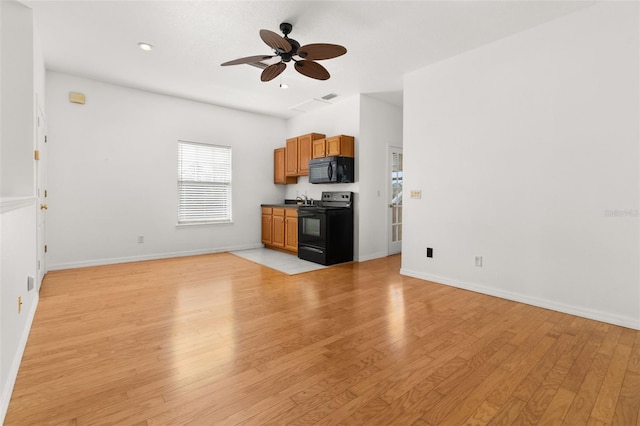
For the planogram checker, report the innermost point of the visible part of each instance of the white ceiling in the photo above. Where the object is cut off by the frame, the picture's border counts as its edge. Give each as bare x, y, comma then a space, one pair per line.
384, 39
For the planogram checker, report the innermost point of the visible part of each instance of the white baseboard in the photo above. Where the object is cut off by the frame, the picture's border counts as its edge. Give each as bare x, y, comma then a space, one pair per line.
607, 317
15, 364
371, 256
156, 256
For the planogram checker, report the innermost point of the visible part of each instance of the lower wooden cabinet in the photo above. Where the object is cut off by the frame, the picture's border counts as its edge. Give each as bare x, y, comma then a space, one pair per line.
291, 229
267, 220
277, 231
280, 228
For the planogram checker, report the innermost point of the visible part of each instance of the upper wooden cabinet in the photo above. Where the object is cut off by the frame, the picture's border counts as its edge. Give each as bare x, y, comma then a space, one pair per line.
291, 157
319, 150
305, 144
279, 176
298, 153
341, 145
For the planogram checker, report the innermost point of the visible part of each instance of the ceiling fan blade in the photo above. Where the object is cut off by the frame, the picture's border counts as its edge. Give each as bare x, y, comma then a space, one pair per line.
319, 51
312, 69
275, 41
247, 60
272, 71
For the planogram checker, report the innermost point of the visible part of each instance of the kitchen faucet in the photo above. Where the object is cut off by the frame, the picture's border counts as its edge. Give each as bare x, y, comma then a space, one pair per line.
306, 201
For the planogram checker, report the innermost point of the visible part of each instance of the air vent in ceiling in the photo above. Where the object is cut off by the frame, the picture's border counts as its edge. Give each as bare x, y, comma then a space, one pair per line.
329, 96
310, 105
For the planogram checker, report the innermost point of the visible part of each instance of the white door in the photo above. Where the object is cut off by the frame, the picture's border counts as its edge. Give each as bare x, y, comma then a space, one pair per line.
41, 179
395, 199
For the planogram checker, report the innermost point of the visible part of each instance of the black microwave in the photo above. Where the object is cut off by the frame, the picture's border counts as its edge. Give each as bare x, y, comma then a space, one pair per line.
331, 170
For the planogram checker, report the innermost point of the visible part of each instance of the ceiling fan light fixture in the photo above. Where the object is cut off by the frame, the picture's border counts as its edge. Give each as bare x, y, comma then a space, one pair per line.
288, 50
145, 46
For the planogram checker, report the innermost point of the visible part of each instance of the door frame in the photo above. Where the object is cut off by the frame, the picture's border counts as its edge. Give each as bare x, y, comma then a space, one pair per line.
392, 248
41, 193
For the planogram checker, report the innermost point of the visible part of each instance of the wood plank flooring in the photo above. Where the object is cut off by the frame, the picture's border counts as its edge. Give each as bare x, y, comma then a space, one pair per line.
219, 340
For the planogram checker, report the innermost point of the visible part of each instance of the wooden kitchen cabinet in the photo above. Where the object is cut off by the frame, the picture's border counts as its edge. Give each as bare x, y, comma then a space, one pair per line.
291, 229
298, 153
267, 217
279, 175
341, 145
280, 228
318, 150
277, 230
291, 157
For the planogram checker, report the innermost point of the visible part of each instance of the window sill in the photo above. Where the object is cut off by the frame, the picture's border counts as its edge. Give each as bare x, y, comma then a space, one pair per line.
191, 225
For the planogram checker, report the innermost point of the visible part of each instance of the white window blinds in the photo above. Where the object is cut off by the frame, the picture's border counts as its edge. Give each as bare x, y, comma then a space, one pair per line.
204, 183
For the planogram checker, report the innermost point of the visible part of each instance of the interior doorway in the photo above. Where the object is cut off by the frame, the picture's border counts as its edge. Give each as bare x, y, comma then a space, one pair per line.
395, 176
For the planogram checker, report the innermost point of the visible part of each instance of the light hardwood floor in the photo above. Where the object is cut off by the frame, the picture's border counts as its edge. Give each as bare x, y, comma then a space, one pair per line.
217, 339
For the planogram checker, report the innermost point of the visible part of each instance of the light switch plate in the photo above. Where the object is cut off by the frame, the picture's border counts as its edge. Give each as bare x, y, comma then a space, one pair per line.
415, 193
77, 98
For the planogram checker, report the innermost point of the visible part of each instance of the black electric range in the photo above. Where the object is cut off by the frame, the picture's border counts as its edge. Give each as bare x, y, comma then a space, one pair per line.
325, 229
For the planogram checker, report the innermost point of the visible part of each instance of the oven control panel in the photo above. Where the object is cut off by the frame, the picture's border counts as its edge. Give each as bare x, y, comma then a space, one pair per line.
337, 196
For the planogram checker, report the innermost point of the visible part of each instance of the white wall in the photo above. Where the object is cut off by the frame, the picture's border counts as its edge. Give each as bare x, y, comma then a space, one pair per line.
375, 125
16, 171
21, 67
112, 173
18, 241
522, 149
380, 127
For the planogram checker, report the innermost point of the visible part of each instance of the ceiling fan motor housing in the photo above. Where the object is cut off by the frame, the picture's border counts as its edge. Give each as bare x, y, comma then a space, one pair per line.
286, 56
286, 28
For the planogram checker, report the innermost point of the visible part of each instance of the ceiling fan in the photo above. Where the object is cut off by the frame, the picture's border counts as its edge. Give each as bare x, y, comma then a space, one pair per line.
289, 50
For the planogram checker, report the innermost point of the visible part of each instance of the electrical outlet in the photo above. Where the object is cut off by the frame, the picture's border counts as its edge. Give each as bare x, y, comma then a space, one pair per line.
429, 252
140, 239
478, 260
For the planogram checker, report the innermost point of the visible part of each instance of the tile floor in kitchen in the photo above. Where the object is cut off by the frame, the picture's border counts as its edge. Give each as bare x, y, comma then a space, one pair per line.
283, 262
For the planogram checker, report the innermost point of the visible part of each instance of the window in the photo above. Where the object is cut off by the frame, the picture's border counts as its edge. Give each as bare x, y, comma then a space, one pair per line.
204, 183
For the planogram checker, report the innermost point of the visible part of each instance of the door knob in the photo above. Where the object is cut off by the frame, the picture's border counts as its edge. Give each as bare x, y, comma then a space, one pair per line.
392, 205
43, 207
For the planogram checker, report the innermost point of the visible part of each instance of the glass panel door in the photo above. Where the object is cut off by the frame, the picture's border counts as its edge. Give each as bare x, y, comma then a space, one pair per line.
395, 199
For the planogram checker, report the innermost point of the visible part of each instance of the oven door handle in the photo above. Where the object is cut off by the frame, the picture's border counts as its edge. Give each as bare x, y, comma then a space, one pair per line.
306, 214
315, 250
330, 171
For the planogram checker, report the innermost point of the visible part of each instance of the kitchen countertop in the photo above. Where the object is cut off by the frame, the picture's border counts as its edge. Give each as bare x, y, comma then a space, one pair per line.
286, 206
